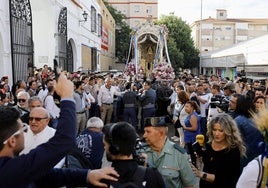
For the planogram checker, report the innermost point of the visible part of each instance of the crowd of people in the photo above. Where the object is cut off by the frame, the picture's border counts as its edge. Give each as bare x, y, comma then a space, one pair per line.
106, 113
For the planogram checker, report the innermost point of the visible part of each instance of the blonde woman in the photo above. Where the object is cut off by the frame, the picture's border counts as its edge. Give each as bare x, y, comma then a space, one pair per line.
221, 158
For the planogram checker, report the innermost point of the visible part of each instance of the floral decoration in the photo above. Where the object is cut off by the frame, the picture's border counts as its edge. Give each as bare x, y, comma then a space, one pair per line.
130, 71
163, 71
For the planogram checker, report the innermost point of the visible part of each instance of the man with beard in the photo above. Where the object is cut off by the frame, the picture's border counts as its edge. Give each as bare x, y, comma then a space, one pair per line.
119, 143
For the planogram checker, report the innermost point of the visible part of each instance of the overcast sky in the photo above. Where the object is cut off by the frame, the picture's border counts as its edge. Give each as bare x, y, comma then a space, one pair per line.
189, 10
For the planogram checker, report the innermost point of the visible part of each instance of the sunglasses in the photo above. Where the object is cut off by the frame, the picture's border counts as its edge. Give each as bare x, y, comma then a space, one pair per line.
37, 118
24, 128
21, 100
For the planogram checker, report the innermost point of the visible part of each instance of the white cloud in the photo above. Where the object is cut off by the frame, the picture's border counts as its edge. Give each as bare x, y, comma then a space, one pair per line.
189, 10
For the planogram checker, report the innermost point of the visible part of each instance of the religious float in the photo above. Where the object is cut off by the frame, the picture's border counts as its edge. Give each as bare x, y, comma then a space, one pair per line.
148, 54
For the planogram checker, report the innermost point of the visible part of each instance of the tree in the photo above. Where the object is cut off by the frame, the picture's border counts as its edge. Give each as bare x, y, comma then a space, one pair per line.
181, 48
122, 34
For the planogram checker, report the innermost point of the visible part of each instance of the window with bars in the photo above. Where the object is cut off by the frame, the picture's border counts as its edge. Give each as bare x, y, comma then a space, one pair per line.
99, 25
93, 19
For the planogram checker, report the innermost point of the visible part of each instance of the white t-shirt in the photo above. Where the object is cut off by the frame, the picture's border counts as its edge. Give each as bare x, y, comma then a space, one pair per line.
204, 106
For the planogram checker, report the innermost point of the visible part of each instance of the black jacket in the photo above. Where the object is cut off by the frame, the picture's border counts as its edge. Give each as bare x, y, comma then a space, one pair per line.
127, 168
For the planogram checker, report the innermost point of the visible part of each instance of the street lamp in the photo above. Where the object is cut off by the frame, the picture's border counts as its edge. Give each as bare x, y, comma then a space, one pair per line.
85, 14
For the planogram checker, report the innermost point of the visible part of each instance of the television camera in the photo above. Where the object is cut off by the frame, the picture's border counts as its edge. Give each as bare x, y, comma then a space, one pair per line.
219, 101
139, 148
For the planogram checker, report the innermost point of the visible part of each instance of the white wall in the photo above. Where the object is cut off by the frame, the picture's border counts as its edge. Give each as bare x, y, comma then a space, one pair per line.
5, 51
45, 14
43, 32
45, 26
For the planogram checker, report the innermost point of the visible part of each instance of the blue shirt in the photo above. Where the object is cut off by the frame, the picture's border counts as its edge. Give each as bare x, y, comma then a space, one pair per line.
190, 136
91, 145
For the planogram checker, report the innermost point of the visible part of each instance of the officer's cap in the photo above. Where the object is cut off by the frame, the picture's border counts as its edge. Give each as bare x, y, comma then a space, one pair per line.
155, 122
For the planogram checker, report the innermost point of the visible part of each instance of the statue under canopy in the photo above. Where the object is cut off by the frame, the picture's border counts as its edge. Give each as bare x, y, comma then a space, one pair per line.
149, 53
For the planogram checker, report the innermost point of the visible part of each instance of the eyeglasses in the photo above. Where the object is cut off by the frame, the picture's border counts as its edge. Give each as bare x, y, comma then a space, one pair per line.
24, 128
37, 118
21, 100
35, 106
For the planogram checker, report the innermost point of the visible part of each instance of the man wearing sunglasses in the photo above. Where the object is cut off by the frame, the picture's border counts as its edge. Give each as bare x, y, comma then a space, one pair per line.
39, 131
22, 102
36, 167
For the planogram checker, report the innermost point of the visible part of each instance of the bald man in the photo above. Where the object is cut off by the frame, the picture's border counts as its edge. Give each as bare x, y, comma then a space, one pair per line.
39, 131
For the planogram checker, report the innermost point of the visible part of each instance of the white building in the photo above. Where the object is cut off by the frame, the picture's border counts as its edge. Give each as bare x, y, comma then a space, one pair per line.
250, 56
44, 30
136, 12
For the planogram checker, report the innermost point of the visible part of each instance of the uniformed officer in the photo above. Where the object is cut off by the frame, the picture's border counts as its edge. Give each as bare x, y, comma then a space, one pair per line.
147, 100
170, 159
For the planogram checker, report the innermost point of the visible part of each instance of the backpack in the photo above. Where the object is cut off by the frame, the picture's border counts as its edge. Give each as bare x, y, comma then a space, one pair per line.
137, 179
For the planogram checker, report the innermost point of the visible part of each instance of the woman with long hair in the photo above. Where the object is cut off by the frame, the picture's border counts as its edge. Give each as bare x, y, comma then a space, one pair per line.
180, 115
222, 154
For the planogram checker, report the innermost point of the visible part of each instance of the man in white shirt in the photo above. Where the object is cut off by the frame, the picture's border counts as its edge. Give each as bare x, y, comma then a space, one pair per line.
106, 99
203, 99
39, 132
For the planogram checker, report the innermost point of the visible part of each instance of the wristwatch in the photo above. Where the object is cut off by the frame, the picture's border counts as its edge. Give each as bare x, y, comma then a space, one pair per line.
204, 176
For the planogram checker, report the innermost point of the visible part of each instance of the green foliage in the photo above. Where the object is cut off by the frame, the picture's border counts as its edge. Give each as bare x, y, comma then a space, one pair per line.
181, 48
122, 34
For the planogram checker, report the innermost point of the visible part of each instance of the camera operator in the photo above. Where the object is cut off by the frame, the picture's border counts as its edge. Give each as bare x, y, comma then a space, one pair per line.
242, 86
119, 143
228, 90
217, 104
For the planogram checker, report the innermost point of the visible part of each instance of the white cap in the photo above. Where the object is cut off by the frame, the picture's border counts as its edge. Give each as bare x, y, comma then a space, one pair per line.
95, 122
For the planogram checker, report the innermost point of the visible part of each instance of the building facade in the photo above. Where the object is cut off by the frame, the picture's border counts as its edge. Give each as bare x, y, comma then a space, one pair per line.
136, 12
67, 33
219, 32
222, 32
107, 56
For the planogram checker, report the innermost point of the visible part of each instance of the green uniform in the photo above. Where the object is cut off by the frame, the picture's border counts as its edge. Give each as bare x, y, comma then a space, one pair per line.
173, 164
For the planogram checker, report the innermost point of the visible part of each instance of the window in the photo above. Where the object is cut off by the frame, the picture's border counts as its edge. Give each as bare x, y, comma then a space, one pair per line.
217, 28
149, 10
99, 25
136, 8
93, 19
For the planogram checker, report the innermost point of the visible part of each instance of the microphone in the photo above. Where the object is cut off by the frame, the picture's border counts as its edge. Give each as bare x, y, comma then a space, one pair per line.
200, 139
198, 144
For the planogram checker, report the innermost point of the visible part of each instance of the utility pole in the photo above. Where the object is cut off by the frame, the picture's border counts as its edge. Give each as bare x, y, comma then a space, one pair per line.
200, 36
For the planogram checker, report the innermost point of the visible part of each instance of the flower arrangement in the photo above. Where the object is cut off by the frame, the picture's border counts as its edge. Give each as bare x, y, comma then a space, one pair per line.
130, 71
163, 71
